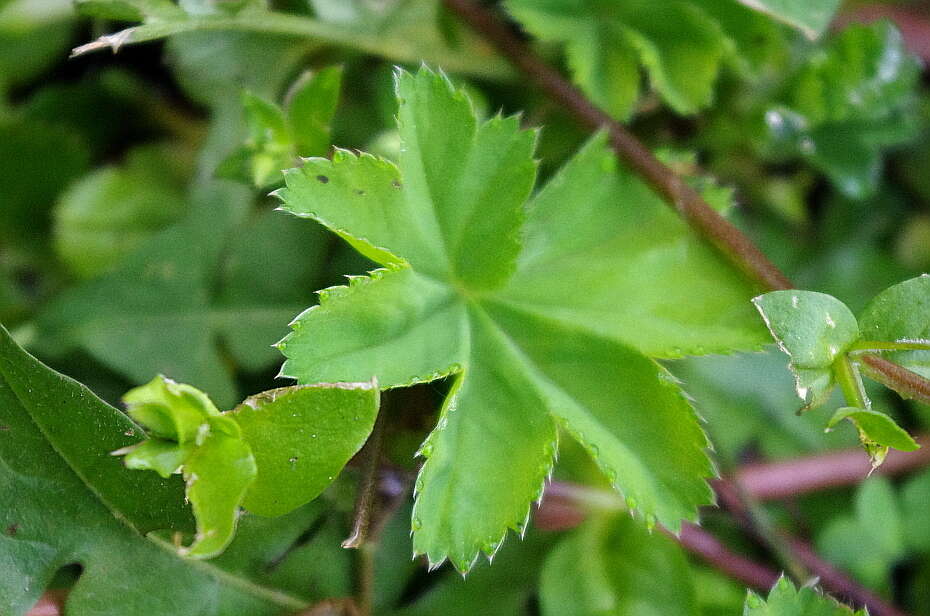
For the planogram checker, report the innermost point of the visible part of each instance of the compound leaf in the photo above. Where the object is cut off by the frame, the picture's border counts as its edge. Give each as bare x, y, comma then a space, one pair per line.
442, 307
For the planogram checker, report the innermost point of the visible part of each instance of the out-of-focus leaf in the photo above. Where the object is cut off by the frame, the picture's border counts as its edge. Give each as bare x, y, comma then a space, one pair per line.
869, 543
157, 313
33, 35
104, 216
614, 566
510, 581
679, 45
747, 401
852, 100
37, 161
915, 502
810, 17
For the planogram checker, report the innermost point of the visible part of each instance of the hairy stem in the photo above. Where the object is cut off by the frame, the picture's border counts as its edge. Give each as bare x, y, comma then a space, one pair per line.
907, 383
364, 509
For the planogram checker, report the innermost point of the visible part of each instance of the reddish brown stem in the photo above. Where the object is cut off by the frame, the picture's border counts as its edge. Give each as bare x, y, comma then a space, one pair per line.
907, 383
778, 480
705, 546
684, 199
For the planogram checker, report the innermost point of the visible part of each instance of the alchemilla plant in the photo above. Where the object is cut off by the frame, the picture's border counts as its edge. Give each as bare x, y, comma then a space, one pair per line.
577, 297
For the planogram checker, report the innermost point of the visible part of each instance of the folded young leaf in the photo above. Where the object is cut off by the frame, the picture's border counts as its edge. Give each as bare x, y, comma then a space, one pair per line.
813, 329
207, 447
218, 473
785, 600
516, 325
877, 432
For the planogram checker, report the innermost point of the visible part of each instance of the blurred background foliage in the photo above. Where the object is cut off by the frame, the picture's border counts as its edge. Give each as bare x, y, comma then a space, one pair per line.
137, 237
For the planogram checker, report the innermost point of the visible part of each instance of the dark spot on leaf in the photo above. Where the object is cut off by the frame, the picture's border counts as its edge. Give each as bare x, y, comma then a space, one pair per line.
359, 191
4, 428
12, 529
322, 179
395, 183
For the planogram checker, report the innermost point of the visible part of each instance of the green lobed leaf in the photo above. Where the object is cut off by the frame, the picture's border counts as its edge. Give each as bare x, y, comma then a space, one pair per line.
613, 566
460, 296
209, 449
301, 438
901, 314
786, 600
811, 18
680, 46
665, 293
813, 329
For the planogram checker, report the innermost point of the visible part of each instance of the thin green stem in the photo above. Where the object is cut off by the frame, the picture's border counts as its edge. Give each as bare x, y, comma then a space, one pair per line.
867, 346
850, 381
476, 59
